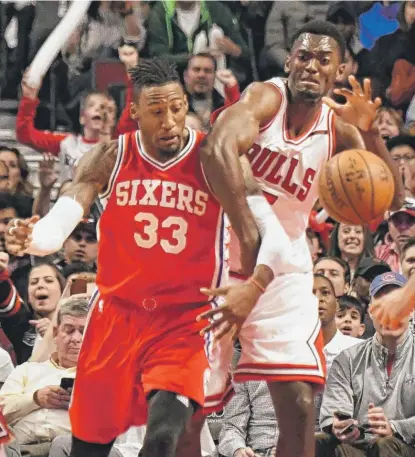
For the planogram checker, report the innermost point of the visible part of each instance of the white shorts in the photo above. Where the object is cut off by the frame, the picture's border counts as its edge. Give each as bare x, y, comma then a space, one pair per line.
281, 340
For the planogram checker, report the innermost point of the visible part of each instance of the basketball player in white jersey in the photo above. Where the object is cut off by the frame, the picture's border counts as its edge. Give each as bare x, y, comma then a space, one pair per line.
288, 130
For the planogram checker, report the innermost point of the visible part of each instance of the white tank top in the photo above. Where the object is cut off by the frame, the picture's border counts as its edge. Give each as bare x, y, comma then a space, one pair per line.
287, 171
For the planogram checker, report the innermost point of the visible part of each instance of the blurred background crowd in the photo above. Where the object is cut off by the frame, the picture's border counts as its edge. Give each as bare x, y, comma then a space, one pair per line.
220, 47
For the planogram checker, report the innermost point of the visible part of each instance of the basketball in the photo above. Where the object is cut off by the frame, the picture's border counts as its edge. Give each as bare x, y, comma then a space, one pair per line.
356, 187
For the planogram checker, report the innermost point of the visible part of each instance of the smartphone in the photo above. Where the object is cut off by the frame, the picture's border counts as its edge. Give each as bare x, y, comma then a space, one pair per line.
67, 383
342, 416
350, 428
79, 286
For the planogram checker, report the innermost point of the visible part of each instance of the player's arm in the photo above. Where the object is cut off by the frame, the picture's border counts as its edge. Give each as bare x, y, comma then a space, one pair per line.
232, 135
46, 236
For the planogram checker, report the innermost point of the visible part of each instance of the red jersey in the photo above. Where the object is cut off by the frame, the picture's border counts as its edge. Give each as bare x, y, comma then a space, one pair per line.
161, 235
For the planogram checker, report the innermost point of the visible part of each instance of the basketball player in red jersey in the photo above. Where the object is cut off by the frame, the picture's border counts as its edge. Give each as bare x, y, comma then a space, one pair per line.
288, 130
161, 239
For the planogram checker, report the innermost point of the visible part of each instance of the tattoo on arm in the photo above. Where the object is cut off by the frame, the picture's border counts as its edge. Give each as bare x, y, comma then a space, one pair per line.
93, 173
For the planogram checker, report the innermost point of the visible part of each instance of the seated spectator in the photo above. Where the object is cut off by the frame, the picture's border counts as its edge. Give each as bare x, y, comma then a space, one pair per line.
352, 243
408, 258
81, 246
349, 317
384, 407
32, 400
335, 269
389, 123
199, 79
351, 67
249, 425
402, 149
18, 171
334, 340
177, 29
401, 225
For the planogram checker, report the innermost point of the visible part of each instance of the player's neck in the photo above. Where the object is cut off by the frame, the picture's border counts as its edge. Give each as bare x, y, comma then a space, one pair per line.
301, 116
329, 330
156, 154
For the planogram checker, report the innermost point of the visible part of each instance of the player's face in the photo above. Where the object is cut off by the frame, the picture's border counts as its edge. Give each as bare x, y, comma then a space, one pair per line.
335, 272
44, 290
161, 112
351, 240
327, 302
408, 262
348, 322
313, 65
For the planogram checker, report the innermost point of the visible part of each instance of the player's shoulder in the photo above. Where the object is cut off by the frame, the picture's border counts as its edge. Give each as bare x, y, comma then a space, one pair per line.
267, 92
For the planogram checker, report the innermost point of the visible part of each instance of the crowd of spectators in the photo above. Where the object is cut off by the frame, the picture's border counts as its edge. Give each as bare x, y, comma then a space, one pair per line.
368, 405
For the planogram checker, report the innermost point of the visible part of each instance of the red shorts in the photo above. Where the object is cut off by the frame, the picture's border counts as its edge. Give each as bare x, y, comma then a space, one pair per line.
127, 353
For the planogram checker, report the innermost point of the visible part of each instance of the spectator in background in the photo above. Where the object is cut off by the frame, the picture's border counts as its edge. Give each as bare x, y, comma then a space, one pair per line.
249, 425
350, 316
315, 244
47, 177
283, 21
18, 171
177, 29
401, 225
4, 177
402, 149
335, 269
379, 63
81, 245
352, 243
32, 401
389, 122
408, 258
385, 406
199, 79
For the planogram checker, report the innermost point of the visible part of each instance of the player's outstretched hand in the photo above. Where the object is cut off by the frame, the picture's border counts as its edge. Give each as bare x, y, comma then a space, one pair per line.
392, 308
19, 235
360, 109
231, 315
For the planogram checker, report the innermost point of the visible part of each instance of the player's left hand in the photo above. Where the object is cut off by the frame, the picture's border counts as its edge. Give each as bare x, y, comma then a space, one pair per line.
392, 308
360, 109
230, 316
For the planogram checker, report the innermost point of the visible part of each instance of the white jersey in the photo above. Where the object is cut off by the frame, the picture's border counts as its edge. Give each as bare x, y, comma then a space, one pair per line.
73, 148
287, 169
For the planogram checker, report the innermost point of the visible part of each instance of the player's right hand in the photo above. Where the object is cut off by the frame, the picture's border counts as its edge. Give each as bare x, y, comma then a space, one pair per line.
19, 235
339, 426
392, 308
229, 317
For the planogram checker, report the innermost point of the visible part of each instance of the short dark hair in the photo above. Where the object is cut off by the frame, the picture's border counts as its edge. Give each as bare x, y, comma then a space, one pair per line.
323, 28
7, 201
318, 275
348, 302
408, 245
76, 267
341, 262
153, 72
205, 55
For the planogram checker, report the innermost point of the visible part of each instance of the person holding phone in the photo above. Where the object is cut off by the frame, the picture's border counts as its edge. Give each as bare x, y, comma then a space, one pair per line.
35, 397
368, 405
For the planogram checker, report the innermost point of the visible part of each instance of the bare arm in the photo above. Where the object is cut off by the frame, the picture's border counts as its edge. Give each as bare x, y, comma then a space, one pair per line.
93, 174
350, 137
46, 236
232, 135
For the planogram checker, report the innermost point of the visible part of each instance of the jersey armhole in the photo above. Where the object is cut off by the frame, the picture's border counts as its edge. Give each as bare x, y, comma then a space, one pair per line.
279, 91
116, 169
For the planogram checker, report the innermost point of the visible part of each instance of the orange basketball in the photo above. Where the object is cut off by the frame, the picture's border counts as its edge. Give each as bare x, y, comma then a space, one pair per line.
356, 187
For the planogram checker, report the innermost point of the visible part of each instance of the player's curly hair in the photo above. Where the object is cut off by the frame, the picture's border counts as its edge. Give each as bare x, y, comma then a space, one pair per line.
323, 28
153, 72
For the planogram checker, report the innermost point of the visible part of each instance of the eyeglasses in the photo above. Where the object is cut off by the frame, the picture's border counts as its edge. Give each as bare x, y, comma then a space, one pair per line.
406, 158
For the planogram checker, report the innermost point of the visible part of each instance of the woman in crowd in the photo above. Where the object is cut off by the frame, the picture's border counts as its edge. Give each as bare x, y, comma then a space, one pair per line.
352, 243
18, 171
